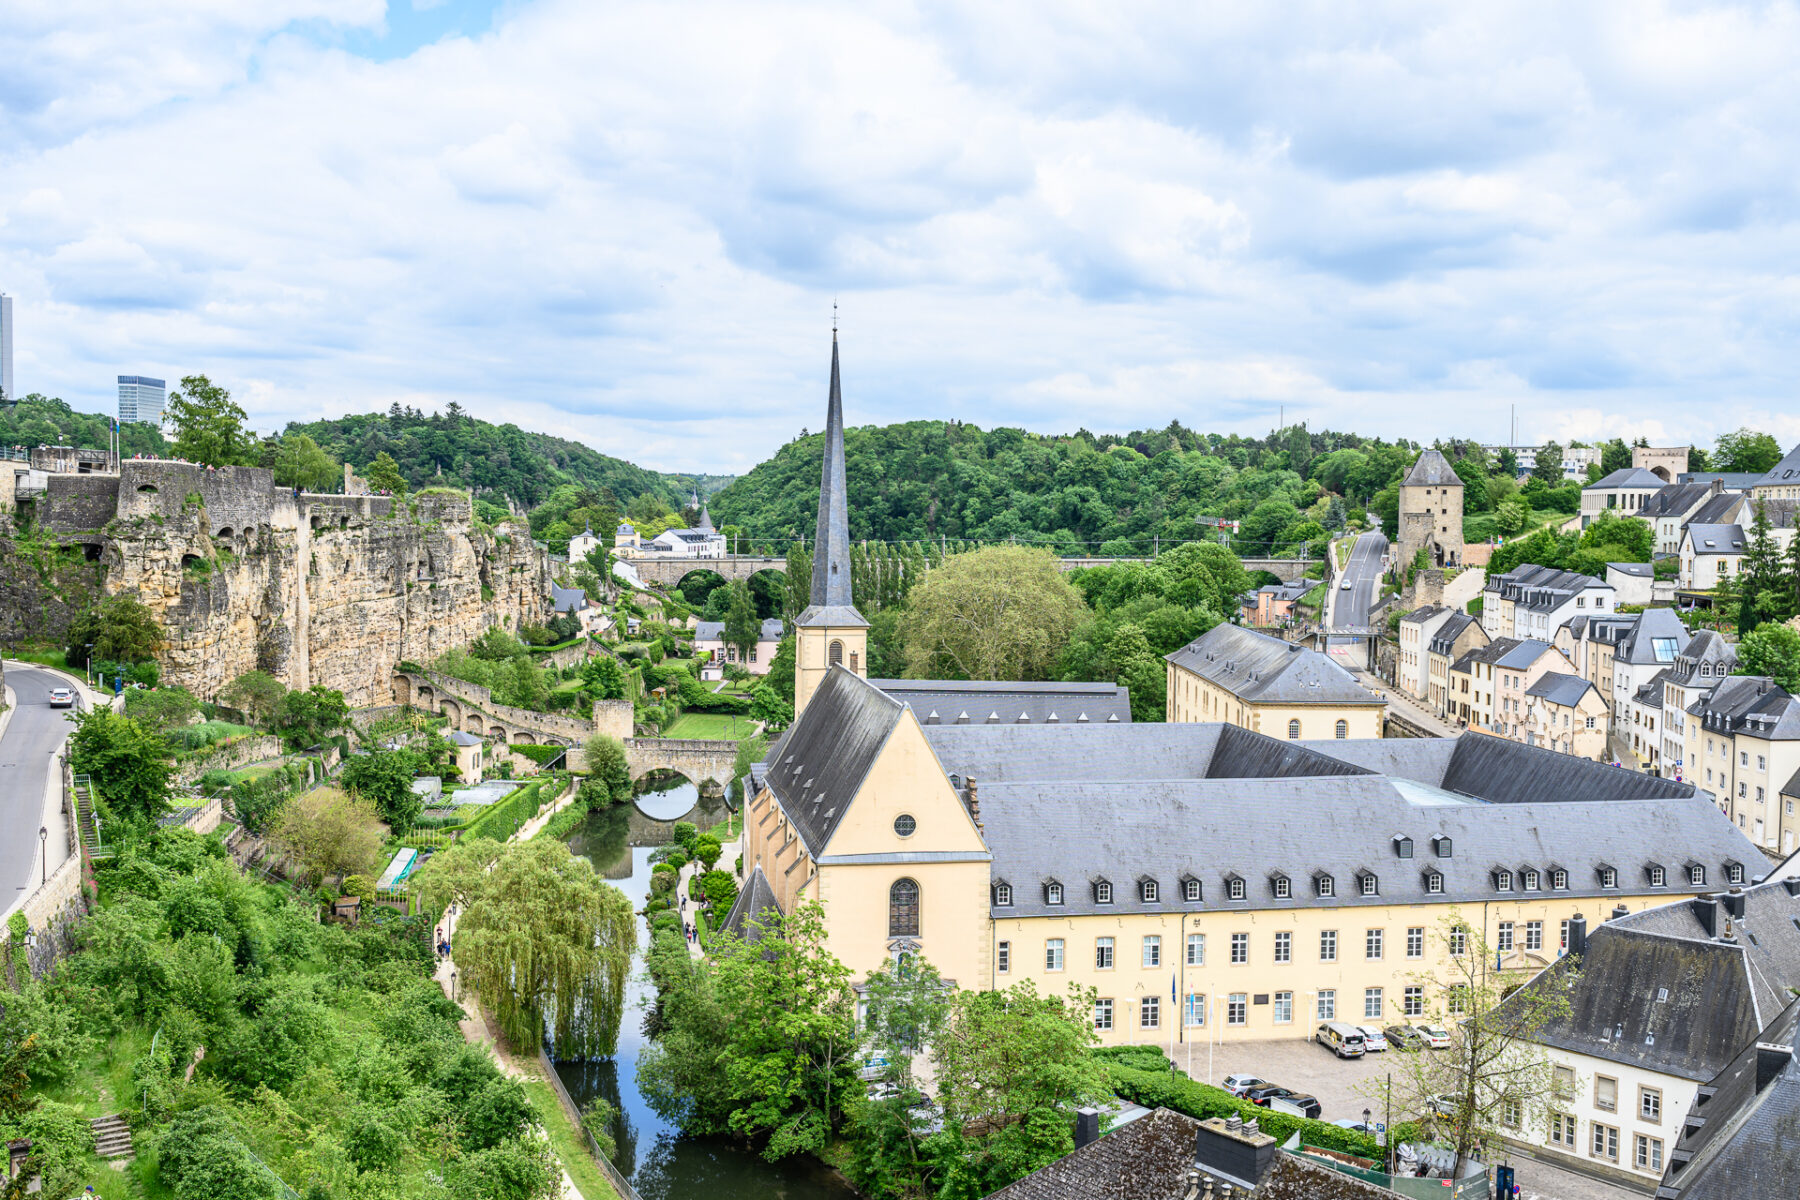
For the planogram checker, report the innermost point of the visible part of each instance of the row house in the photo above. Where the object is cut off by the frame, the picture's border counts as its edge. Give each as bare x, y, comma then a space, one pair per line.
1671, 508
1703, 664
1454, 638
1489, 684
1416, 630
1627, 492
1651, 643
1566, 713
1532, 601
1743, 748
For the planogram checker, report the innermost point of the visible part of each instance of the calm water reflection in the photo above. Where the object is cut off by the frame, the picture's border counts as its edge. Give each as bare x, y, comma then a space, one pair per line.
659, 1161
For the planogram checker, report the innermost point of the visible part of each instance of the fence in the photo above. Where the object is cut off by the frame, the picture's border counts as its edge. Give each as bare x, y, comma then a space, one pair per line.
620, 1184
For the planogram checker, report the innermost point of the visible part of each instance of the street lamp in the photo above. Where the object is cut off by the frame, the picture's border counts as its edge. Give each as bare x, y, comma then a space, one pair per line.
44, 851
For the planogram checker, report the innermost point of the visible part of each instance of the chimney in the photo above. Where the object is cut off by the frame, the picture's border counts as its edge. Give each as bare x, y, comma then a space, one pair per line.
1734, 902
973, 800
1087, 1127
1718, 485
1770, 1062
1578, 935
1235, 1148
1620, 911
1792, 884
1706, 911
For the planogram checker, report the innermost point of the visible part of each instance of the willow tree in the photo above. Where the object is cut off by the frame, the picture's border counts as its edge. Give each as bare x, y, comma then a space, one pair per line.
547, 943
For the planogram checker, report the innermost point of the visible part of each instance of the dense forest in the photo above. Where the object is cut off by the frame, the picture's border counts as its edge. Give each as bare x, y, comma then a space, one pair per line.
45, 421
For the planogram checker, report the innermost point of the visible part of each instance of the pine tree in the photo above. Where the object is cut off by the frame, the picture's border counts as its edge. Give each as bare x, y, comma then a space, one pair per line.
1761, 597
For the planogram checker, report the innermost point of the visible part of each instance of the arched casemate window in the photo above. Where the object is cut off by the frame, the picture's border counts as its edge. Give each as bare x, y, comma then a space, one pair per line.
903, 909
835, 654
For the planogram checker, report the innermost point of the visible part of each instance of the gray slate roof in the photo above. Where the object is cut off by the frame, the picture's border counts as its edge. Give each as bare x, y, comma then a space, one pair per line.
568, 599
755, 909
1753, 704
714, 631
1432, 469
1764, 931
459, 738
1716, 510
1785, 473
1716, 539
1675, 499
1558, 688
831, 541
1627, 477
1635, 569
1422, 614
1444, 640
1745, 1147
1649, 627
1256, 667
1736, 481
966, 702
1146, 1159
819, 764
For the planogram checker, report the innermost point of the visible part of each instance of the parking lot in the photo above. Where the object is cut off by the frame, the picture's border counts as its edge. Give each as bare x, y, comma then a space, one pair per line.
1347, 1086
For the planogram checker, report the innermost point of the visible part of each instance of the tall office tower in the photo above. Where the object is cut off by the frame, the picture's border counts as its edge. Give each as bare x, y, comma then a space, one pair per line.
141, 399
6, 339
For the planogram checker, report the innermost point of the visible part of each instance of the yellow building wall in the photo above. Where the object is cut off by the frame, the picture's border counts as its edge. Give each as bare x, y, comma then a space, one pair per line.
1193, 698
812, 657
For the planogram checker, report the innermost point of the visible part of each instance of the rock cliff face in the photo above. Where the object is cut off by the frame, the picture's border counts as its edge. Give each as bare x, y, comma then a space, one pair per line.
331, 590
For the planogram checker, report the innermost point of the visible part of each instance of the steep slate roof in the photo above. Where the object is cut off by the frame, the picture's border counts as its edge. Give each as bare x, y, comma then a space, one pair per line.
1504, 772
1558, 688
1716, 510
1422, 614
965, 702
1750, 1110
568, 599
1263, 669
1707, 646
1147, 1159
1523, 653
749, 914
1715, 539
1764, 930
831, 540
1738, 481
1706, 1010
1627, 477
1785, 473
1675, 498
1649, 626
819, 764
1432, 469
1652, 691
1445, 638
1635, 569
1753, 704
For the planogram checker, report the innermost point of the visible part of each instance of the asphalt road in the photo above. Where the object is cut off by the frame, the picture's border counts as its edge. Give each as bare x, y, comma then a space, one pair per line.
1363, 573
34, 734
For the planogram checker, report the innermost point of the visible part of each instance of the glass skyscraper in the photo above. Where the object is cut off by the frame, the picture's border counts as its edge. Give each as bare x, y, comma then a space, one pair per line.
141, 399
6, 340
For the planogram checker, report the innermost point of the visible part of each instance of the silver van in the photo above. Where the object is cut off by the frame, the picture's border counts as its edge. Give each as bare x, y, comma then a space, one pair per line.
1344, 1040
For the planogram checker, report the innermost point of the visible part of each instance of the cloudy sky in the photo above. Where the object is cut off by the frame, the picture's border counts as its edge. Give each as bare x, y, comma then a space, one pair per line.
626, 223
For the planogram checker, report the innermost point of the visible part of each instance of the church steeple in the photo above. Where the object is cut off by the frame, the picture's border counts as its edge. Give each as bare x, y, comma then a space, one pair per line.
830, 633
831, 544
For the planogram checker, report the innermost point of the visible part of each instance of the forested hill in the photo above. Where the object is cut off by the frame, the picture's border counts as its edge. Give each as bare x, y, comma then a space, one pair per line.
476, 454
929, 479
45, 421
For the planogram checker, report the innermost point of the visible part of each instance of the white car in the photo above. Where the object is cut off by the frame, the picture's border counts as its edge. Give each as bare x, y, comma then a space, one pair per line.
62, 697
1344, 586
1373, 1038
1435, 1036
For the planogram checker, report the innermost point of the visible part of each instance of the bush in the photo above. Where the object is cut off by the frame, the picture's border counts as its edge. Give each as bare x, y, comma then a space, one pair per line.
201, 1156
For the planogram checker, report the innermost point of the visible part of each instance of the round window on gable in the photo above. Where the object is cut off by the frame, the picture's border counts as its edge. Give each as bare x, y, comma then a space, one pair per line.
904, 825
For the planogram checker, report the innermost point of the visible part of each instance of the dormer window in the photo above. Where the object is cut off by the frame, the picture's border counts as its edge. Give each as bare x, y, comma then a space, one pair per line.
1696, 875
1503, 880
1371, 886
1440, 846
1234, 887
1559, 879
1190, 890
1402, 846
1053, 893
1658, 876
1102, 892
1281, 887
1734, 872
1325, 885
1531, 879
1147, 891
1002, 895
1434, 883
1609, 877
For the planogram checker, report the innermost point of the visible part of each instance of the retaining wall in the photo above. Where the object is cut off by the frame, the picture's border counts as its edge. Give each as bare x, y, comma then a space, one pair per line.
228, 757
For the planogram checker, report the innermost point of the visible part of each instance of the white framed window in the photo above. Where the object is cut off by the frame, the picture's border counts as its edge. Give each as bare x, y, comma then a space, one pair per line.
1434, 883
1415, 941
1103, 954
1150, 1012
1328, 945
1053, 954
1649, 1156
1697, 875
1372, 945
1103, 892
1153, 950
1190, 890
1234, 888
1283, 888
1649, 1104
1734, 873
1236, 1008
1284, 1008
1147, 891
1327, 885
1240, 949
1002, 895
1503, 881
1196, 949
1194, 1009
1103, 1014
1003, 957
1284, 946
1412, 1001
1559, 878
1531, 881
1609, 878
1534, 935
1605, 1142
1327, 1007
1053, 893
1563, 935
1372, 1003
1503, 939
1562, 1130
1370, 885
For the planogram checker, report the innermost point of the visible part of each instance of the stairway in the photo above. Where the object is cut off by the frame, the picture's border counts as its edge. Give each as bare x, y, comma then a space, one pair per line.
112, 1137
87, 823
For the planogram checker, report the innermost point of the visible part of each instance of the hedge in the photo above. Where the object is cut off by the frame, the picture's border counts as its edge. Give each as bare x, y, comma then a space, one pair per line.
539, 754
500, 821
1172, 1089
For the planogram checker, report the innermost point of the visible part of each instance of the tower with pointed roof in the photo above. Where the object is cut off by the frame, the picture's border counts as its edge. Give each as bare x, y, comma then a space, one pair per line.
1431, 512
830, 632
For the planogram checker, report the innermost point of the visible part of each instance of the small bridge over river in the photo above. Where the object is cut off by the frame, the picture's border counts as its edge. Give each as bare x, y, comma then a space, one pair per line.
667, 572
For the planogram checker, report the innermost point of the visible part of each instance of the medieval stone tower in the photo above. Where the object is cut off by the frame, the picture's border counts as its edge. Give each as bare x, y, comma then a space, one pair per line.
1431, 513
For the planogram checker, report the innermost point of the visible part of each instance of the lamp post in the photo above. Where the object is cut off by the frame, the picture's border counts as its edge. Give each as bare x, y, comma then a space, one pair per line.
44, 852
452, 983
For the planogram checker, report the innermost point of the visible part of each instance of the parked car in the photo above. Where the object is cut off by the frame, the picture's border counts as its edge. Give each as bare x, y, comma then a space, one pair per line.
1440, 1106
62, 697
1404, 1037
1373, 1040
1354, 1125
1435, 1036
1238, 1085
1297, 1104
872, 1068
1345, 1041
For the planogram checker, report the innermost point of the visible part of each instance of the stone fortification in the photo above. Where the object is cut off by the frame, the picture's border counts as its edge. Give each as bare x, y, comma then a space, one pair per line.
314, 589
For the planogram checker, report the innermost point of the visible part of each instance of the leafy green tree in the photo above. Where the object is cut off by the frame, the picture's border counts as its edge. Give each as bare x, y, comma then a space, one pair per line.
780, 678
329, 832
209, 426
742, 628
161, 709
1002, 612
799, 583
119, 629
1764, 595
1507, 463
130, 765
1624, 539
769, 708
297, 462
603, 678
1511, 516
385, 777
1772, 650
1614, 456
306, 717
523, 1169
201, 1155
256, 694
546, 943
383, 474
721, 891
1547, 467
1012, 1068
1746, 450
608, 766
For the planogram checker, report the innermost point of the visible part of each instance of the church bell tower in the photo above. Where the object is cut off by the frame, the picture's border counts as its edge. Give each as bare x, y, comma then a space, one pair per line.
830, 632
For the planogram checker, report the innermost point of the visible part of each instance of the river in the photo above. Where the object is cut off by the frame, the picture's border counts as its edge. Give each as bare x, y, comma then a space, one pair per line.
660, 1161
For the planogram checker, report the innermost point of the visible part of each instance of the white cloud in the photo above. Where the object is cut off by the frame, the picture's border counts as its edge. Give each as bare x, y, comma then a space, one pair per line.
626, 223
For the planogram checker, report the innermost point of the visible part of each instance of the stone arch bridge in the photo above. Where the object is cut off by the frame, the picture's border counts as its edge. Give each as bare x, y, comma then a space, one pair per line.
667, 572
470, 708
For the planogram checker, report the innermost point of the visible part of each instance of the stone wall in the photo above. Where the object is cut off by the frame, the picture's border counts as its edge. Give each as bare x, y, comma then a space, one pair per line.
79, 503
43, 588
229, 757
570, 655
461, 701
53, 910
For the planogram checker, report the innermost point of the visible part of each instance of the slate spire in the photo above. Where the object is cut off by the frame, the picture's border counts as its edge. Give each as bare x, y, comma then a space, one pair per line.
831, 543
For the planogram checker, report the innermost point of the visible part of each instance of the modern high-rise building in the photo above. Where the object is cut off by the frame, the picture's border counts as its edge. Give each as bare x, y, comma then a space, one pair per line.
6, 340
141, 399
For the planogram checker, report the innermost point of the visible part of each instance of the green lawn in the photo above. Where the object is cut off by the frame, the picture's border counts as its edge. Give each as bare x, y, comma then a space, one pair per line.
44, 658
712, 726
728, 829
571, 1145
1481, 526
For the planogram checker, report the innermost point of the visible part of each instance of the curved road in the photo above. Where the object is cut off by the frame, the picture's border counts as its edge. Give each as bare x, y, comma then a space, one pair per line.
1363, 573
35, 733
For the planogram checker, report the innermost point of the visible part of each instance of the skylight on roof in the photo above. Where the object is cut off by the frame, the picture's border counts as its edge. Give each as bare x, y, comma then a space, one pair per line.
1424, 795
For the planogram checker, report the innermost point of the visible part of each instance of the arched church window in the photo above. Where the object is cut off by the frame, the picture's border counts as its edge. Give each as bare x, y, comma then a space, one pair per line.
903, 909
835, 654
